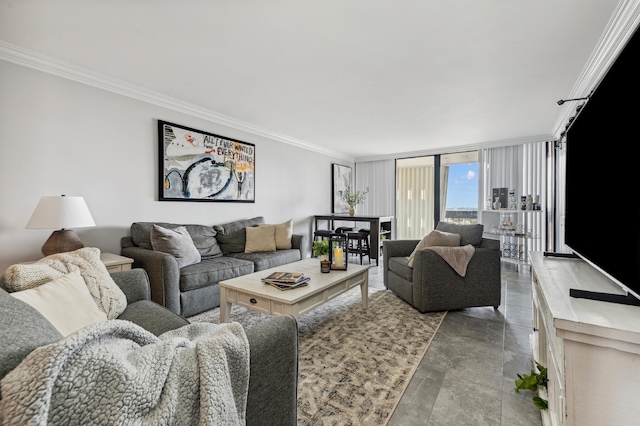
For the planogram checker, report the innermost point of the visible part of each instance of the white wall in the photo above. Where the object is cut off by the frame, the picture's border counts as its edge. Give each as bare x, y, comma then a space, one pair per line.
62, 137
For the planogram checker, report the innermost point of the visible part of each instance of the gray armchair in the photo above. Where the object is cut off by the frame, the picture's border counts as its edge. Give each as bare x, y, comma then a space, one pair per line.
432, 284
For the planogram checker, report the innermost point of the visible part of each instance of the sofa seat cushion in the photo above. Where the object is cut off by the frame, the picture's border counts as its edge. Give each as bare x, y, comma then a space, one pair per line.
266, 260
400, 266
213, 270
152, 317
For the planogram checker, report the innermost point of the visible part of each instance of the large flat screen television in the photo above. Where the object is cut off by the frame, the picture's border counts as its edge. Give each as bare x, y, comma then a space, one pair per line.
602, 216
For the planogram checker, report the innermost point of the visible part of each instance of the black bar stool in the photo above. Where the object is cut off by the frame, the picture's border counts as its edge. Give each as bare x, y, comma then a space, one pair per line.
322, 234
358, 241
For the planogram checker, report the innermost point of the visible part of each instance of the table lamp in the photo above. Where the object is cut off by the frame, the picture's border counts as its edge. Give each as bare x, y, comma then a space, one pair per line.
61, 212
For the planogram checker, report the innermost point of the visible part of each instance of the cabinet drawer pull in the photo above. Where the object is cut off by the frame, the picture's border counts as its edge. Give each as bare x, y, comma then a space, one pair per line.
253, 300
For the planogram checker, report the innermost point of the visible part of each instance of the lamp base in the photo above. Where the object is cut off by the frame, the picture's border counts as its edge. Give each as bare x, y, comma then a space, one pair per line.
62, 241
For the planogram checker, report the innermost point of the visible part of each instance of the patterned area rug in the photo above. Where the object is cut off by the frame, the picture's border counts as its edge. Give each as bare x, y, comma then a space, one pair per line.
354, 364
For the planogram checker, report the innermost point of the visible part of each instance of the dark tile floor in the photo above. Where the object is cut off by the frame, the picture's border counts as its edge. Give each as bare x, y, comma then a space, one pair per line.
467, 375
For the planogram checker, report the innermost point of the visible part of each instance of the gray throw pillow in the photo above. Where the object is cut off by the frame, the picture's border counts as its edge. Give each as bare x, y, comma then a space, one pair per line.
232, 236
176, 242
23, 330
204, 237
469, 234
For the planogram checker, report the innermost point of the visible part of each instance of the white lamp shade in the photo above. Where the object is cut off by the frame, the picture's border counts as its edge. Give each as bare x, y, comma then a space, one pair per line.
55, 212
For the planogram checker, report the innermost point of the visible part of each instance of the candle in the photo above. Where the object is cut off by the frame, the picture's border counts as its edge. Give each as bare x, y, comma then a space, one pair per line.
338, 257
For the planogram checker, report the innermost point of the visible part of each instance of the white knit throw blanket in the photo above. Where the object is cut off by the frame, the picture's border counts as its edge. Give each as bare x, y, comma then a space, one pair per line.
116, 372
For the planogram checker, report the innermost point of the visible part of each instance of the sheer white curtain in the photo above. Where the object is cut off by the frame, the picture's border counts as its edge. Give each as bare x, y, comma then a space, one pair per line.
379, 177
415, 201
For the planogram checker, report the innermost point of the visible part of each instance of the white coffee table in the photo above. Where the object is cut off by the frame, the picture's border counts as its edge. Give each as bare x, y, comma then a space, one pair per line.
249, 291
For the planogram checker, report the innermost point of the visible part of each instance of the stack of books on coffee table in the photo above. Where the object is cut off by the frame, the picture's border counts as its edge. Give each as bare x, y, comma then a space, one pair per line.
286, 280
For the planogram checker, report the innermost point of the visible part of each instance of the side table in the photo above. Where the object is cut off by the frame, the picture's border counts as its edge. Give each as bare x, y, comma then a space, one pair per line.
116, 263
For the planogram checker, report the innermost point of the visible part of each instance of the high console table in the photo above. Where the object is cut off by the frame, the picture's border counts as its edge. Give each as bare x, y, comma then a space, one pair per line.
591, 349
378, 225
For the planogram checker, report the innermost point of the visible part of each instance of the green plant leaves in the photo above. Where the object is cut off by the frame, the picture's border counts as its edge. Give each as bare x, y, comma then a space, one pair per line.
531, 382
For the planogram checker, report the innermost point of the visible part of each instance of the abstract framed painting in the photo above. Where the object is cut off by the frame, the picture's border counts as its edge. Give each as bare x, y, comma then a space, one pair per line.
199, 166
341, 180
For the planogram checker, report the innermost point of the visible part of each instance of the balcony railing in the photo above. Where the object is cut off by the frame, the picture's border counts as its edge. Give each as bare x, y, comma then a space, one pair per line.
461, 216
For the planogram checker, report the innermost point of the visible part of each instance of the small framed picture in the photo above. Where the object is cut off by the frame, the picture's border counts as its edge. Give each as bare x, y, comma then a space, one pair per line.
341, 180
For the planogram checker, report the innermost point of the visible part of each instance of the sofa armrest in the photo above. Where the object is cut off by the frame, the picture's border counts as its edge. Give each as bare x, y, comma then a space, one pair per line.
395, 248
163, 272
134, 283
398, 248
273, 381
489, 243
299, 242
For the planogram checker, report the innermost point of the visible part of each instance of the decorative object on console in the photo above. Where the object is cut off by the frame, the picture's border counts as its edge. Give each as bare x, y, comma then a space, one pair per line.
529, 202
61, 212
501, 195
523, 202
338, 251
340, 181
513, 203
353, 198
200, 166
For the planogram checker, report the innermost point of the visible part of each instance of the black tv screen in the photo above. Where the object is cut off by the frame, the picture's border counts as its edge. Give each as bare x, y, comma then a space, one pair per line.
602, 174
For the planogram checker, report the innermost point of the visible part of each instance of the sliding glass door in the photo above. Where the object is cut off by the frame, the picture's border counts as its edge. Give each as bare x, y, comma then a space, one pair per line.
434, 188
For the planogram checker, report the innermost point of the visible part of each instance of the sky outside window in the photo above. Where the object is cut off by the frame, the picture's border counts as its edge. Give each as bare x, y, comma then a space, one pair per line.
463, 186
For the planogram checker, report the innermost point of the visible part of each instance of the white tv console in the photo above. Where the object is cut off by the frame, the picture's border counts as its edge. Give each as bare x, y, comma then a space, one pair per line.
590, 348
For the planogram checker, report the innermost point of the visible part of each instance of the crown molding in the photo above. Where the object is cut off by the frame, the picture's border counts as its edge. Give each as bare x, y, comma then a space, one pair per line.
26, 58
623, 24
459, 148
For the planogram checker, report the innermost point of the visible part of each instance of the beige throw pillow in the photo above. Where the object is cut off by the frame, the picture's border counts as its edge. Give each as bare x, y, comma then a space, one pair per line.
176, 242
435, 238
65, 302
284, 232
260, 239
105, 292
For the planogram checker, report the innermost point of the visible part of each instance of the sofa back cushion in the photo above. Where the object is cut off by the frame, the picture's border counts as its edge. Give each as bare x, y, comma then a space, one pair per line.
232, 236
469, 234
204, 237
23, 329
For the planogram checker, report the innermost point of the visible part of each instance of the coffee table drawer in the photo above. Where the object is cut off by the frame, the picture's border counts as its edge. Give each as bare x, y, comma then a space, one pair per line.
253, 302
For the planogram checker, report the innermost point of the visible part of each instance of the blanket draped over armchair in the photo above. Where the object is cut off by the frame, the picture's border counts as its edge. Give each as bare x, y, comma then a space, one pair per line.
116, 372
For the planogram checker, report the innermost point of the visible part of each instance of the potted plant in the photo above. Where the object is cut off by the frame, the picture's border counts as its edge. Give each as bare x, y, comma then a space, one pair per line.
353, 198
321, 249
531, 382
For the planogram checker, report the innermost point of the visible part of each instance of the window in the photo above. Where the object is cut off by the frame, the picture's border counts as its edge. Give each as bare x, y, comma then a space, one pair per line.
434, 188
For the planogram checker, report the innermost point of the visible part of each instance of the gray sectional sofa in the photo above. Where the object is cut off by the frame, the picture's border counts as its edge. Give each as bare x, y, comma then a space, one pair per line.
194, 288
273, 345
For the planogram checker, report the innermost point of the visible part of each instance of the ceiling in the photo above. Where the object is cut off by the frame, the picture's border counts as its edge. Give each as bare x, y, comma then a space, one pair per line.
362, 78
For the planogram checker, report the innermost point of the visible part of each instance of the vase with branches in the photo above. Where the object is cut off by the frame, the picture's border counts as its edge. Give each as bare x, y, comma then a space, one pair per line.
354, 197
